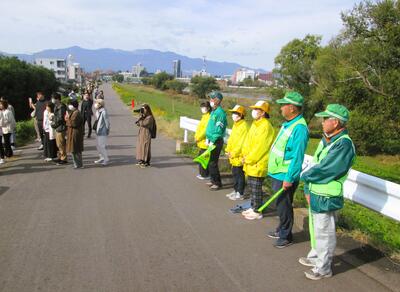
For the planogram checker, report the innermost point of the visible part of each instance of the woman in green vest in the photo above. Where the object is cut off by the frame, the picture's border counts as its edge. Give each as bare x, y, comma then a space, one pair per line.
323, 187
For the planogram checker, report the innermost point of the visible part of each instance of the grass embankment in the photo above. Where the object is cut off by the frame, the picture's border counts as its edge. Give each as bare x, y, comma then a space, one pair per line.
358, 221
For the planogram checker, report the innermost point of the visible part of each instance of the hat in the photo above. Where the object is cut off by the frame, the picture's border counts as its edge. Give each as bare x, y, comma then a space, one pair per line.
238, 109
335, 111
215, 94
292, 97
100, 101
262, 105
74, 103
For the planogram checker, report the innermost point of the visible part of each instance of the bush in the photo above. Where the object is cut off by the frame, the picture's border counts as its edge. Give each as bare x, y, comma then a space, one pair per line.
201, 86
25, 132
159, 80
175, 85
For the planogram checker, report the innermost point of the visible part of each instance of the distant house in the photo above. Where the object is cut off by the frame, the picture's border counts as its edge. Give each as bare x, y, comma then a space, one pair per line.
267, 78
58, 66
241, 74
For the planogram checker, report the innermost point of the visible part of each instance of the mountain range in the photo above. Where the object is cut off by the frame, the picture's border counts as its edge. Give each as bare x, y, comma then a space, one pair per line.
120, 60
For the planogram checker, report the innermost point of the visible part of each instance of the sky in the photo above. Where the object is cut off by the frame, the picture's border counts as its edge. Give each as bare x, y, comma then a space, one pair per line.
250, 33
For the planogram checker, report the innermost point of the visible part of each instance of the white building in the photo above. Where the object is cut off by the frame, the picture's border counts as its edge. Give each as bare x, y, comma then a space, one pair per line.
137, 70
58, 66
201, 73
74, 71
241, 74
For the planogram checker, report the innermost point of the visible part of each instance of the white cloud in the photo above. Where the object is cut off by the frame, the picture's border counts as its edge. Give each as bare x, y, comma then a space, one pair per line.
250, 33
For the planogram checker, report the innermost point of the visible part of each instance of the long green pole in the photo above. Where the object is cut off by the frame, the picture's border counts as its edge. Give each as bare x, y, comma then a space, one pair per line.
267, 203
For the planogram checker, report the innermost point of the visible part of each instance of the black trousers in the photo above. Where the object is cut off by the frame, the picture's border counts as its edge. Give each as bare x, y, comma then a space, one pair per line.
238, 179
41, 131
50, 147
46, 145
213, 164
203, 172
87, 119
2, 153
7, 145
284, 206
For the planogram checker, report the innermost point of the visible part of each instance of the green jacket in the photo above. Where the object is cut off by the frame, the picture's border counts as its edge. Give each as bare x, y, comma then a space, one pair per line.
216, 126
336, 164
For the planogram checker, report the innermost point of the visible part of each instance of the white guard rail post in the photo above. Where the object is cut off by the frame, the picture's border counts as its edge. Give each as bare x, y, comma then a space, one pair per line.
369, 191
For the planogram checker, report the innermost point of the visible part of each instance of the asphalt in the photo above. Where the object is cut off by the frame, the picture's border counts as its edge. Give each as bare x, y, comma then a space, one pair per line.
122, 228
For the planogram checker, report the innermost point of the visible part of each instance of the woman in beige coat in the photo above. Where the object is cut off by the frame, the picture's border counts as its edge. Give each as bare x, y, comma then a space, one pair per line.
146, 124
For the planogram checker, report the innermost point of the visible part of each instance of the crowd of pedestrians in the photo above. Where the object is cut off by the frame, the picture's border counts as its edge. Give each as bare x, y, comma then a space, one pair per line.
256, 152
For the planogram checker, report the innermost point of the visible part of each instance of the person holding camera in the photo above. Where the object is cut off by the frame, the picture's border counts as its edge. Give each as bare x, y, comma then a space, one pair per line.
146, 124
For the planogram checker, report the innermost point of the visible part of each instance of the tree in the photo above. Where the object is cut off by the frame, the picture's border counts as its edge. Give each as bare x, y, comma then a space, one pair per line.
201, 86
20, 80
118, 78
159, 80
176, 85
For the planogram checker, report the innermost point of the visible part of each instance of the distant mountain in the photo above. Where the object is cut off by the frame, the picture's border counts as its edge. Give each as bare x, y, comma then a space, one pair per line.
116, 60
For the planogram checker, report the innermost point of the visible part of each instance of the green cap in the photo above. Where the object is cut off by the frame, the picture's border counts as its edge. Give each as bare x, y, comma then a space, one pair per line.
215, 94
335, 111
292, 97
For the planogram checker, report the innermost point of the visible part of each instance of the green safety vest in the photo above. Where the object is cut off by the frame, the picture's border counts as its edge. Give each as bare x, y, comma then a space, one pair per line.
333, 188
277, 162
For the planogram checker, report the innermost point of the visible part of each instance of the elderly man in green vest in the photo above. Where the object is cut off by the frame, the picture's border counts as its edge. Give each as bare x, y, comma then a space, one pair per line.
323, 186
285, 163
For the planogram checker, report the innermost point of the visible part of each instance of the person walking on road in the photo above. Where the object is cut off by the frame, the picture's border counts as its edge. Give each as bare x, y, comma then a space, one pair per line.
58, 123
234, 151
215, 133
200, 137
87, 112
323, 187
39, 108
102, 131
146, 124
8, 125
255, 156
285, 162
74, 122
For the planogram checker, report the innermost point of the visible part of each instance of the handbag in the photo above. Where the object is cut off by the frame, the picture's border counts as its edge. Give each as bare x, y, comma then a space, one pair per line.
95, 125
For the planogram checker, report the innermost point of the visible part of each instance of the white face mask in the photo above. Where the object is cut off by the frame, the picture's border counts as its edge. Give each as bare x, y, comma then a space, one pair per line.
212, 103
254, 114
53, 100
204, 110
71, 107
235, 117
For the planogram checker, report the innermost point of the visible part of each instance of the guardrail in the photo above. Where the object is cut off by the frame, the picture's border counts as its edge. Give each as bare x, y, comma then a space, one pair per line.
369, 191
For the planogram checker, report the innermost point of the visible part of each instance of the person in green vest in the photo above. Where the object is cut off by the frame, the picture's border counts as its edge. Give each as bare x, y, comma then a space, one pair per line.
200, 137
323, 187
215, 133
234, 151
285, 163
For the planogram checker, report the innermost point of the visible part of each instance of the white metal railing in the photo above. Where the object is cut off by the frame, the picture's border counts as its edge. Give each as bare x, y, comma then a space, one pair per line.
372, 192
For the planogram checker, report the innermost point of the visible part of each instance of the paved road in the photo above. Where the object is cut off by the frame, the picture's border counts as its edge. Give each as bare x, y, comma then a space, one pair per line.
121, 228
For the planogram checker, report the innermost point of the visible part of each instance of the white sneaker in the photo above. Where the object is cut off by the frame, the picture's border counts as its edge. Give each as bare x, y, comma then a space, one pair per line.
199, 176
13, 148
40, 147
105, 162
48, 159
248, 211
230, 194
2, 161
101, 160
253, 216
236, 197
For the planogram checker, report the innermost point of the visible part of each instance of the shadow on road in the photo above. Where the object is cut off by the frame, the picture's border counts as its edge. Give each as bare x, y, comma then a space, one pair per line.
3, 190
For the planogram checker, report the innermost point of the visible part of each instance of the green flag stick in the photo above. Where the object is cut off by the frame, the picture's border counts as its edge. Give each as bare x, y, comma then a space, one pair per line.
311, 227
204, 158
267, 203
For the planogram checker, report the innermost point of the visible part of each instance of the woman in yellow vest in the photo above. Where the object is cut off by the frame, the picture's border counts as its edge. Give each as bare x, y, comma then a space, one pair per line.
200, 137
234, 151
255, 155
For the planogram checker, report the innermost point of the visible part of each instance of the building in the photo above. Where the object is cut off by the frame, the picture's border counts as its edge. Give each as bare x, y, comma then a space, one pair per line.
241, 74
58, 66
74, 70
267, 78
201, 73
137, 70
177, 69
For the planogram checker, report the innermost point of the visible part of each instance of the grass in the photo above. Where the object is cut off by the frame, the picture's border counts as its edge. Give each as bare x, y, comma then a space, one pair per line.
356, 220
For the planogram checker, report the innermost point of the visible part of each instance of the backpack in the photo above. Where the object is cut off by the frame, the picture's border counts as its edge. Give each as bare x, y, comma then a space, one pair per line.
153, 131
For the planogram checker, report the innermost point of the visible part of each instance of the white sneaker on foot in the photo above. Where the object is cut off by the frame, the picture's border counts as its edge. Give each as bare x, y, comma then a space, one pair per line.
248, 211
236, 197
230, 194
2, 161
99, 161
253, 216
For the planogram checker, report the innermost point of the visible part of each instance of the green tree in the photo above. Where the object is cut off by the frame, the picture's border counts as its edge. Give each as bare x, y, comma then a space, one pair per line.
20, 80
118, 78
176, 85
159, 80
201, 86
